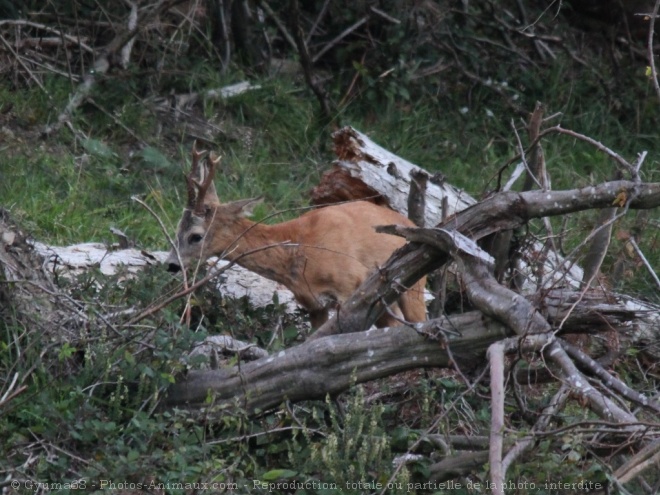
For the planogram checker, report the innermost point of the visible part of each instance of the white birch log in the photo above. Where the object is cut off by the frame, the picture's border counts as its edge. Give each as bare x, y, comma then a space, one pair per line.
236, 282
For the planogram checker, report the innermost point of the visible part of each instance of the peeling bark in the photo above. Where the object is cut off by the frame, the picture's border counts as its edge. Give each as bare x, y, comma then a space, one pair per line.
366, 168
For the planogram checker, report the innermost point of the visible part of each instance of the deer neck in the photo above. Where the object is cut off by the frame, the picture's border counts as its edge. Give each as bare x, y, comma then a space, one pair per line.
260, 248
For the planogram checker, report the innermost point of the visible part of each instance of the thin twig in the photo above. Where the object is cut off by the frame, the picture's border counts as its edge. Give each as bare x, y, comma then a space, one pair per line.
117, 121
101, 66
171, 242
385, 15
646, 263
338, 38
20, 61
560, 130
278, 22
317, 21
523, 159
654, 73
545, 417
447, 409
68, 37
213, 273
601, 147
306, 62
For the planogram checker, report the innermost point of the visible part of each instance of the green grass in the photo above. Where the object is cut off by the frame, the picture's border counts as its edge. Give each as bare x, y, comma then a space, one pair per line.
75, 193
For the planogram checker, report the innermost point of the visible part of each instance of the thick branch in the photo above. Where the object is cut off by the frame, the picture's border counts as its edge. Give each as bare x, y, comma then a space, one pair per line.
598, 246
333, 364
515, 311
507, 306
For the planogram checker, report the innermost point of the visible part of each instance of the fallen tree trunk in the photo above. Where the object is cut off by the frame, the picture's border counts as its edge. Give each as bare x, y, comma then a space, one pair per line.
235, 282
365, 170
331, 365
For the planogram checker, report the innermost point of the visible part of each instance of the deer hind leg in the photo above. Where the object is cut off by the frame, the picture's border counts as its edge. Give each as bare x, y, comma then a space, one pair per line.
413, 304
392, 317
318, 317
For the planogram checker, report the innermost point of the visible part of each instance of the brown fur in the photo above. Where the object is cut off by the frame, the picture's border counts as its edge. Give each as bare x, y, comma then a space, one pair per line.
322, 256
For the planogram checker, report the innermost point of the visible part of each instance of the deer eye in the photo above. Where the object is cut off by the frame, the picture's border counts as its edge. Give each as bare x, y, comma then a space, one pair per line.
194, 238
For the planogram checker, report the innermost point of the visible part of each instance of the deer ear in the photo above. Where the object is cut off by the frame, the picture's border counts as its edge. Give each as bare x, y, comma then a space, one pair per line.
245, 207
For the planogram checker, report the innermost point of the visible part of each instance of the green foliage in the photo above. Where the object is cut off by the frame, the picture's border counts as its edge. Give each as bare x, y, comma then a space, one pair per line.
355, 450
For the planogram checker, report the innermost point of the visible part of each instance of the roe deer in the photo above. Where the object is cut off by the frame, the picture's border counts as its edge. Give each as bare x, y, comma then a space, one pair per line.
322, 256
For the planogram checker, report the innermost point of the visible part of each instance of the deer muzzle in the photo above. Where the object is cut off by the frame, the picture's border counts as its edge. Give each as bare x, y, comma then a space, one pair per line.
172, 263
173, 267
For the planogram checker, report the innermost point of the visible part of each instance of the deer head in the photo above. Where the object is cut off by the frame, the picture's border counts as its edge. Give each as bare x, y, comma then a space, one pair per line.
197, 216
205, 228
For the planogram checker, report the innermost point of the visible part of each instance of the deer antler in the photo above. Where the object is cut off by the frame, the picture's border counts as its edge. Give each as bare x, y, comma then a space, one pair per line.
194, 172
212, 160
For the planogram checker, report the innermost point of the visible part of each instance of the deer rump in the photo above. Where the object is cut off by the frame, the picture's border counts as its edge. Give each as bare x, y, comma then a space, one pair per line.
334, 249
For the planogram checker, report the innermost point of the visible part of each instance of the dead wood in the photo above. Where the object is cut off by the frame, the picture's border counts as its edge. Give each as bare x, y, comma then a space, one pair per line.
646, 459
236, 282
29, 298
500, 244
496, 358
417, 197
307, 62
369, 170
331, 365
21, 274
179, 102
457, 465
512, 309
599, 246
